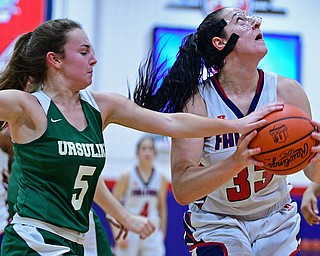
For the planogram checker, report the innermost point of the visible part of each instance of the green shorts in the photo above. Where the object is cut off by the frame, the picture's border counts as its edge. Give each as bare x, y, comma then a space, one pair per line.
20, 239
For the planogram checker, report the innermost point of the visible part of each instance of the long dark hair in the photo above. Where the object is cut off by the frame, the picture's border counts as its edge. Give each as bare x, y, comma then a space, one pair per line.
179, 84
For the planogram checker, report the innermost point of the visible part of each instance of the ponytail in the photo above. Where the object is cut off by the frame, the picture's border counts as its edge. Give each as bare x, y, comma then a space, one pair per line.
16, 75
177, 85
180, 83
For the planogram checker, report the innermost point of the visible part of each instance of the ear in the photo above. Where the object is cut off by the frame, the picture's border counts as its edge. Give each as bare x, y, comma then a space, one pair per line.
54, 59
218, 43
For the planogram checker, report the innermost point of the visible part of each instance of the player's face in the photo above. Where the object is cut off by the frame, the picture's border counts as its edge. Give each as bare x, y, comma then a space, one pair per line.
146, 151
247, 27
242, 20
79, 60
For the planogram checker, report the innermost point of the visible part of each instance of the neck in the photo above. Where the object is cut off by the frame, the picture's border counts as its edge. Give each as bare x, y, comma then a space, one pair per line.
145, 167
238, 79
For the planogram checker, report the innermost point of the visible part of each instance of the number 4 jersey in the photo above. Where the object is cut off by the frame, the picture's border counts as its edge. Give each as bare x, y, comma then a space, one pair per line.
142, 197
59, 170
253, 193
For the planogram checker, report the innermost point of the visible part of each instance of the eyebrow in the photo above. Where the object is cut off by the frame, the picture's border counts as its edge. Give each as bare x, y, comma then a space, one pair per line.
88, 46
240, 12
85, 45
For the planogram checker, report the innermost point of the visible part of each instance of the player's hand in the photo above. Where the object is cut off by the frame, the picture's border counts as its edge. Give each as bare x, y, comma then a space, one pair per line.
122, 243
140, 225
255, 119
122, 233
243, 154
309, 208
316, 135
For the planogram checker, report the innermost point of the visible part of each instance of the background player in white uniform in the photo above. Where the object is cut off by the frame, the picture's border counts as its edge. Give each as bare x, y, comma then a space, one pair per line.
235, 207
143, 191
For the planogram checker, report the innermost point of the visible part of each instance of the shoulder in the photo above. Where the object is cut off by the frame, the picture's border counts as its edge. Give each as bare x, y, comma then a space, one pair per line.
20, 103
164, 180
27, 119
124, 178
121, 184
196, 105
101, 97
287, 83
290, 91
110, 104
17, 95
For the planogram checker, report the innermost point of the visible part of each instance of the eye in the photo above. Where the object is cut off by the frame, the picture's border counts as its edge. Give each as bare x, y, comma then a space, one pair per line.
240, 19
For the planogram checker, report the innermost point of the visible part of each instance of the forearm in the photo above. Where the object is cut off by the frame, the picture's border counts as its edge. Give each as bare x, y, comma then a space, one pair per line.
312, 171
110, 205
196, 126
314, 189
205, 179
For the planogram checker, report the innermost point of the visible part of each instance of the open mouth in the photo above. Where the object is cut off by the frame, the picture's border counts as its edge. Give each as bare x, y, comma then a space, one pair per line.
258, 37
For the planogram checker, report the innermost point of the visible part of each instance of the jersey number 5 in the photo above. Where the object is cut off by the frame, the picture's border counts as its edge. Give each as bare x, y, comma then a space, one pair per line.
82, 185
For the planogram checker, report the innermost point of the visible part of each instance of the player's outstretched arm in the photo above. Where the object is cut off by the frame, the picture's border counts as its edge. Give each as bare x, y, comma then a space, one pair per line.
118, 109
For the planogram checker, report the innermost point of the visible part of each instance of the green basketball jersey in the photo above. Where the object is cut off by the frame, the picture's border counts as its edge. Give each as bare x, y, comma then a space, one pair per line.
59, 170
13, 188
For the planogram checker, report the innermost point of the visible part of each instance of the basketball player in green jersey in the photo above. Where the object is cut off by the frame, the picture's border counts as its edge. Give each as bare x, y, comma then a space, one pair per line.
59, 144
96, 242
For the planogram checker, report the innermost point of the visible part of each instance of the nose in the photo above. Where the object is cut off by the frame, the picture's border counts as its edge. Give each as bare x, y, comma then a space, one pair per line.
93, 60
256, 21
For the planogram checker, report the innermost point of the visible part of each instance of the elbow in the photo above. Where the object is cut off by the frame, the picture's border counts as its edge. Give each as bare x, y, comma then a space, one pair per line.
180, 197
180, 187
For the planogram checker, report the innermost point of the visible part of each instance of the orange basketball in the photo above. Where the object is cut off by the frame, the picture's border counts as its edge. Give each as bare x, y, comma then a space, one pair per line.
285, 141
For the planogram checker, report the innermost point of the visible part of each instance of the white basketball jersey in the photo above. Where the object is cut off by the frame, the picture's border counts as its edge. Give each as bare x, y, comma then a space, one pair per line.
141, 197
253, 193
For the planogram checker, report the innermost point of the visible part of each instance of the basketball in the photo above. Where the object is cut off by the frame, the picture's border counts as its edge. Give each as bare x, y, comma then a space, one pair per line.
285, 141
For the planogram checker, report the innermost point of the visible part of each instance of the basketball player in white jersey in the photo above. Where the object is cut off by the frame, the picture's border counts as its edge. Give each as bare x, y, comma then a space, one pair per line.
143, 191
235, 207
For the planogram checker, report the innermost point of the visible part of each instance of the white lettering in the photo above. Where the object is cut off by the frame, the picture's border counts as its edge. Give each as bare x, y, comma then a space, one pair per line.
62, 148
81, 149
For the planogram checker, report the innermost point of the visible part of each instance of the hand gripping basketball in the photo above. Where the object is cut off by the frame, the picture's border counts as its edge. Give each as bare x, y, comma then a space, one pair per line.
285, 141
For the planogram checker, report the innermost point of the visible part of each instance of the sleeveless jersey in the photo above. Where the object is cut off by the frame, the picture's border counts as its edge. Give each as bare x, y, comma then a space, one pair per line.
13, 188
59, 171
253, 193
141, 197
